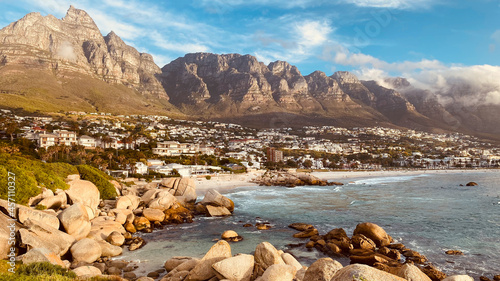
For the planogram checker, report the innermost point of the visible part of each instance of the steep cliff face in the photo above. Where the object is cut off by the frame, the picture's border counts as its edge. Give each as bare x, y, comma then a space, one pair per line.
351, 85
246, 86
75, 44
209, 79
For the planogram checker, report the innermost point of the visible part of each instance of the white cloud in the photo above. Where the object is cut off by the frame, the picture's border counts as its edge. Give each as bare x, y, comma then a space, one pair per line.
313, 33
161, 42
293, 45
465, 85
341, 55
161, 60
66, 51
393, 4
222, 6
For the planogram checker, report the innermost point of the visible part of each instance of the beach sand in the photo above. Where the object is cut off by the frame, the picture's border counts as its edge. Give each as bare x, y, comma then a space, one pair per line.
225, 182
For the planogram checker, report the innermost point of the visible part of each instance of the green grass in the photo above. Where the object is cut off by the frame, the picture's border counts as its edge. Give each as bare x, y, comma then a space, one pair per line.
36, 271
36, 89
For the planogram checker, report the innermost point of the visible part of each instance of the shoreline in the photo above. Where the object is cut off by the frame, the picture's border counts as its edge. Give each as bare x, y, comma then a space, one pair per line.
227, 182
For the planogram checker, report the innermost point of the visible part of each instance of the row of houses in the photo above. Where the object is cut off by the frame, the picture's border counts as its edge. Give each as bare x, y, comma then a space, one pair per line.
68, 138
159, 166
175, 148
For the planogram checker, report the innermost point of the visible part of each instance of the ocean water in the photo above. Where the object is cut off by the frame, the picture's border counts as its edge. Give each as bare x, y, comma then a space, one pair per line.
429, 213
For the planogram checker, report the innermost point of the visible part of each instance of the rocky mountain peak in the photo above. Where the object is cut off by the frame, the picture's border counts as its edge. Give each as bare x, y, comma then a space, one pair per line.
345, 77
283, 68
397, 82
80, 17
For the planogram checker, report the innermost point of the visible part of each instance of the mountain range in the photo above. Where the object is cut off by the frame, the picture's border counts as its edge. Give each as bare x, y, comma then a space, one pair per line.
49, 64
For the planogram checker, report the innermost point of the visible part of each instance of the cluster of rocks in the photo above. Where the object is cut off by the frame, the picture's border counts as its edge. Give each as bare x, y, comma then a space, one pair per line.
269, 264
289, 179
371, 245
75, 229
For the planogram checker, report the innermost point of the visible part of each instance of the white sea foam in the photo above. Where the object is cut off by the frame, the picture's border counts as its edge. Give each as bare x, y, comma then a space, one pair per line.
384, 180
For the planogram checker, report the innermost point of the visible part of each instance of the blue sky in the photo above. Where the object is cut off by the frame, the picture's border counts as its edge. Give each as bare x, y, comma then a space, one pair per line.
372, 38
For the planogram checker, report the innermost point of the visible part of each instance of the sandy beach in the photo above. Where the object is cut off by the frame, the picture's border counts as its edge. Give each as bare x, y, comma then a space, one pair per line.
225, 182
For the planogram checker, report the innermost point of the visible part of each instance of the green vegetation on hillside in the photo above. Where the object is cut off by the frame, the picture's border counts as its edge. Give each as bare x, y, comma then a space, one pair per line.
27, 175
100, 179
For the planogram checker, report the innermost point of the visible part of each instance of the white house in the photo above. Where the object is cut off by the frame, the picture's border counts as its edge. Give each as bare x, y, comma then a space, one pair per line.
46, 140
66, 137
87, 142
140, 168
174, 148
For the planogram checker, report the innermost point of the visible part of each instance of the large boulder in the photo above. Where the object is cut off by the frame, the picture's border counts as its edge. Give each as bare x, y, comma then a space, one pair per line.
279, 272
8, 226
75, 220
102, 227
237, 268
149, 195
25, 213
108, 250
203, 270
359, 241
87, 271
163, 201
42, 255
86, 250
364, 271
40, 235
115, 238
128, 202
175, 262
153, 214
322, 270
186, 188
84, 192
376, 233
412, 273
169, 182
214, 198
267, 255
290, 260
55, 202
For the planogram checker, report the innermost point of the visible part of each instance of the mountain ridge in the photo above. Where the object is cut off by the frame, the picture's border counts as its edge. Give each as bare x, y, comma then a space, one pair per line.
230, 87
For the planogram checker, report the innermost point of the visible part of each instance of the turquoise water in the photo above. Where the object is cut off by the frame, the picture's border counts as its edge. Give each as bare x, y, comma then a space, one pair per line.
429, 213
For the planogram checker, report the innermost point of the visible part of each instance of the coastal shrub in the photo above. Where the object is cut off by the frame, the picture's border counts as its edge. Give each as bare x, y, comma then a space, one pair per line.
25, 185
100, 179
208, 177
41, 268
30, 174
36, 271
